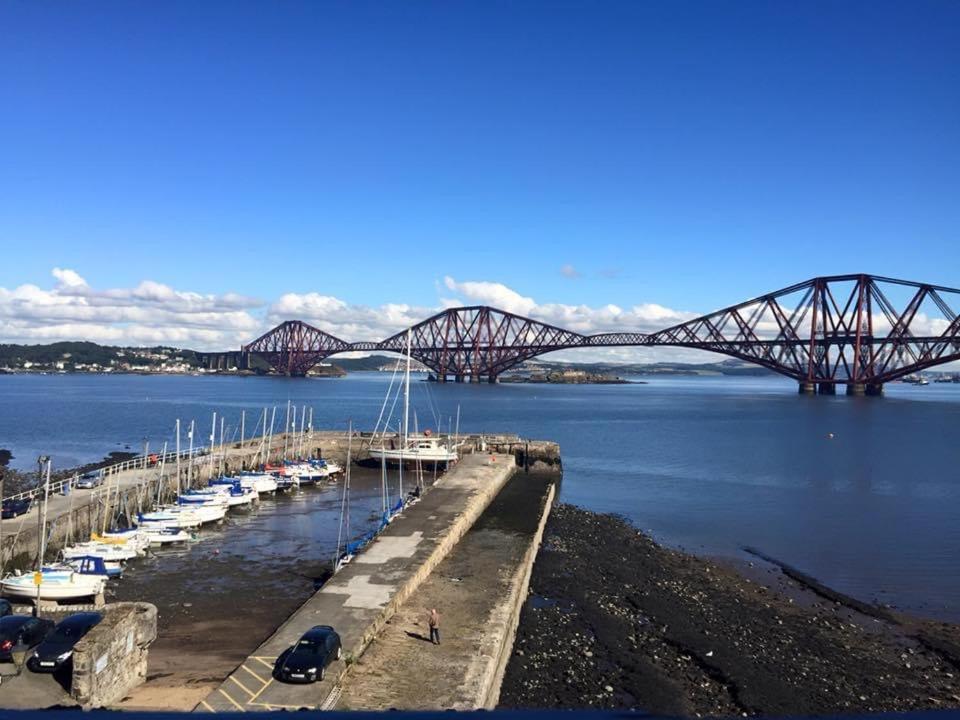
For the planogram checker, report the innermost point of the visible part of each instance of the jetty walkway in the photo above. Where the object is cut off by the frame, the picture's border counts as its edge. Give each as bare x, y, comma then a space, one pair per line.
360, 599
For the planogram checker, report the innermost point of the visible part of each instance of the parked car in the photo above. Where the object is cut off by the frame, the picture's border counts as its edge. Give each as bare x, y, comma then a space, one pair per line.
90, 480
22, 631
13, 508
307, 661
57, 648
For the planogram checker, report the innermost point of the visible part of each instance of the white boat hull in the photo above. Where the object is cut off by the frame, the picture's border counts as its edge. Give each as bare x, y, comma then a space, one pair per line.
413, 455
60, 585
167, 538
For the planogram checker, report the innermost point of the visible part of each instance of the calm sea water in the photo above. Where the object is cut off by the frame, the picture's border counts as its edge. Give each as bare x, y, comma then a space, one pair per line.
709, 464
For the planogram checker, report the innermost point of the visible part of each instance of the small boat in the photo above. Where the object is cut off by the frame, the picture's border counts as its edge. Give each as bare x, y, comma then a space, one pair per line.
212, 496
261, 482
330, 468
207, 512
424, 449
115, 553
132, 538
91, 565
166, 536
172, 518
57, 583
234, 492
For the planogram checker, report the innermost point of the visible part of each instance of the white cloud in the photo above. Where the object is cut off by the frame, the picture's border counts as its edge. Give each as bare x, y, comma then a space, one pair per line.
150, 313
69, 278
490, 293
569, 271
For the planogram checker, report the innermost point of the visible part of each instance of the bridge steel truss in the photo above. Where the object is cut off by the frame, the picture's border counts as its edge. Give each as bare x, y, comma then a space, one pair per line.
843, 329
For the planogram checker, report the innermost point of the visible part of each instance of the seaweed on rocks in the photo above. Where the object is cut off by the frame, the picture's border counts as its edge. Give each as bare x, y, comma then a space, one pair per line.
618, 621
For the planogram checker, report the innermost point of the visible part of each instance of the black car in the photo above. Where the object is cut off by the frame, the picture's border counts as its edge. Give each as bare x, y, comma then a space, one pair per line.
307, 661
22, 631
12, 508
57, 648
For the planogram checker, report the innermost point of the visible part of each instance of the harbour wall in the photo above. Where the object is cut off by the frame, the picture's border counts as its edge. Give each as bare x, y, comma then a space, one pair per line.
502, 637
74, 517
360, 600
478, 589
111, 659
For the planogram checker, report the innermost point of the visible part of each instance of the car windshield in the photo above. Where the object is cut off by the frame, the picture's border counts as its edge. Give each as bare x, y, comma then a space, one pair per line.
311, 644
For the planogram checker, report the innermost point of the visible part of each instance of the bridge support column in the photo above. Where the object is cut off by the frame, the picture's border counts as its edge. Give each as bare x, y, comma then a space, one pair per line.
807, 388
856, 389
875, 389
493, 380
458, 378
827, 388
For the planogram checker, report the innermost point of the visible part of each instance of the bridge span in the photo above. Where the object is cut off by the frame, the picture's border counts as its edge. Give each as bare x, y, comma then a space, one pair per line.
855, 330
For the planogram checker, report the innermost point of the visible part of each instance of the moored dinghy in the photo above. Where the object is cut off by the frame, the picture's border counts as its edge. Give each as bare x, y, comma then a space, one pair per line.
160, 536
56, 583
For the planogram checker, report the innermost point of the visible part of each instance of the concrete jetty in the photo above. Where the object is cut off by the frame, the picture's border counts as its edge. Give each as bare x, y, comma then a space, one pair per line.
360, 599
479, 590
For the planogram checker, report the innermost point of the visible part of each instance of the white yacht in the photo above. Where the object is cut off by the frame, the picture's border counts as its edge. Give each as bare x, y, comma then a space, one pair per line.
416, 449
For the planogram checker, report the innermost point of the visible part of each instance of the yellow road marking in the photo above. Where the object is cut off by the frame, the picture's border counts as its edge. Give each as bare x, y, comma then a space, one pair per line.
265, 686
254, 674
277, 705
237, 705
263, 662
204, 703
245, 688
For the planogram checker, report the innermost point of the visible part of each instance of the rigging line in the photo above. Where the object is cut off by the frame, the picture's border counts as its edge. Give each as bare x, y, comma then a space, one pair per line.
431, 404
386, 398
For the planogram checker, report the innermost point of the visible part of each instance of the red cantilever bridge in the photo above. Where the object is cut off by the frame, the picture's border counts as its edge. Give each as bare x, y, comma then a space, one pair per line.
857, 330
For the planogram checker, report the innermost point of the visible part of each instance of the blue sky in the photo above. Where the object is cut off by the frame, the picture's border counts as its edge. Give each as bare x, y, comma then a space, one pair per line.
688, 154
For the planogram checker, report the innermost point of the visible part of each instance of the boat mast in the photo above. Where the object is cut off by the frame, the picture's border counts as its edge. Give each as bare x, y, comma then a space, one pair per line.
162, 465
286, 431
303, 430
213, 434
273, 420
406, 399
384, 496
43, 520
178, 457
344, 503
223, 451
190, 460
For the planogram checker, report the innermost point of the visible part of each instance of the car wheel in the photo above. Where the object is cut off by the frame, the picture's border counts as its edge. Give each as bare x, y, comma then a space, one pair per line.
339, 652
322, 674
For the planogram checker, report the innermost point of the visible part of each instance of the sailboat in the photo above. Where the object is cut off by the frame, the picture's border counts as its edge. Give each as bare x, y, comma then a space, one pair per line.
52, 583
417, 449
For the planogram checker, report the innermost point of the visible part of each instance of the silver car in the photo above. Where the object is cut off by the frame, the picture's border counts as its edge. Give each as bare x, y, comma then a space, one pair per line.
90, 480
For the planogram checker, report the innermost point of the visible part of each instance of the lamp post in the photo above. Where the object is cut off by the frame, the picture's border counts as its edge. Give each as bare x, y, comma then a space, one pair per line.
42, 523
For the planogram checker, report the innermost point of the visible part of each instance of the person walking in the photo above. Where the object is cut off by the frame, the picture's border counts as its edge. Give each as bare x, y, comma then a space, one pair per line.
434, 622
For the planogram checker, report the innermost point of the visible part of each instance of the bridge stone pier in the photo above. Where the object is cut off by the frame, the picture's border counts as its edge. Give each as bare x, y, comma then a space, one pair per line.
853, 388
856, 330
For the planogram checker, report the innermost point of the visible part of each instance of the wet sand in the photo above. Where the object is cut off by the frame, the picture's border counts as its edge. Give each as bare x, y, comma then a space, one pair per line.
617, 621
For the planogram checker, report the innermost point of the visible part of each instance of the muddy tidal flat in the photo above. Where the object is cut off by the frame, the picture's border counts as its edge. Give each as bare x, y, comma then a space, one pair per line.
616, 621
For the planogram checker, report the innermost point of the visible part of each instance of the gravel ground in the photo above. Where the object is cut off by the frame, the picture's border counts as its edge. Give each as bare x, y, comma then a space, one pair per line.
614, 620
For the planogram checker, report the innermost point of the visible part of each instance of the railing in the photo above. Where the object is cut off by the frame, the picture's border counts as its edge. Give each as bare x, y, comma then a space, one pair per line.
152, 460
140, 462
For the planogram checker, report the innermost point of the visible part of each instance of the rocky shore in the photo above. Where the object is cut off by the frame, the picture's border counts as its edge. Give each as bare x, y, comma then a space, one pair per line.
616, 621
